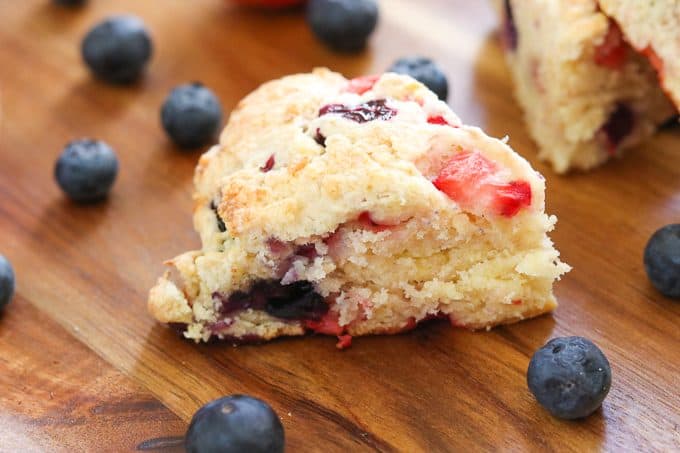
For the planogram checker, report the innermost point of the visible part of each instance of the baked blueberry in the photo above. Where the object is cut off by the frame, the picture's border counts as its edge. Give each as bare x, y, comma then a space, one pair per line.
86, 170
343, 25
570, 377
6, 282
191, 115
376, 109
425, 71
662, 260
509, 30
236, 423
117, 49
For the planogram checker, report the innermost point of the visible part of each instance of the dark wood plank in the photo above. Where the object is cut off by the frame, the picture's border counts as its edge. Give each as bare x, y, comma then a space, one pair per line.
435, 389
57, 395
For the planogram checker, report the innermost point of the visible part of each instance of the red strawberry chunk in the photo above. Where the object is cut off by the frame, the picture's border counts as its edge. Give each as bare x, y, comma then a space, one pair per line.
269, 164
438, 119
344, 341
472, 181
360, 85
327, 325
511, 197
613, 52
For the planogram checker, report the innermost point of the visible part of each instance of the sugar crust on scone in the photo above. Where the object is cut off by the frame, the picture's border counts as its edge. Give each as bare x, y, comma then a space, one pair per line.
585, 93
294, 199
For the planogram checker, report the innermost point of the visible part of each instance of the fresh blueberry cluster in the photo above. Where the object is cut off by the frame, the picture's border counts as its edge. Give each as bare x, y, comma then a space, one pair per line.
117, 50
235, 424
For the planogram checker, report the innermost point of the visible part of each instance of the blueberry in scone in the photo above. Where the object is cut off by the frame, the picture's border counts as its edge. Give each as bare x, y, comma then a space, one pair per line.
191, 115
425, 71
86, 170
343, 25
570, 377
662, 260
355, 207
586, 94
6, 282
117, 49
237, 424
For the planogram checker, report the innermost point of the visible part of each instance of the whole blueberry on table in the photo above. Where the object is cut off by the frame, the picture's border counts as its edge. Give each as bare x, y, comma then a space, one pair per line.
70, 2
236, 423
343, 25
662, 260
191, 115
570, 377
6, 282
117, 49
425, 71
86, 170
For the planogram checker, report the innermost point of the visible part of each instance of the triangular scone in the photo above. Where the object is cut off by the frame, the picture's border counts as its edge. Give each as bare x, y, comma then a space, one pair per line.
358, 207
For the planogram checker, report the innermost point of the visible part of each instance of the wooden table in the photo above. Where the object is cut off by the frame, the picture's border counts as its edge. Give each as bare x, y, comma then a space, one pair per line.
83, 367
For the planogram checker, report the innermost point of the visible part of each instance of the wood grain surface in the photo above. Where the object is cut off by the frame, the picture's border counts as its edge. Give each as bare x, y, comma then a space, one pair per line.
83, 367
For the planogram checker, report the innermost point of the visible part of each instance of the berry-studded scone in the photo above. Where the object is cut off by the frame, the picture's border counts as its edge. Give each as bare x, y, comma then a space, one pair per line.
585, 93
354, 207
653, 28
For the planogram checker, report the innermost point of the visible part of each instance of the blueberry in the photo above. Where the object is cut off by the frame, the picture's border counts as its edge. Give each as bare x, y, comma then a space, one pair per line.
570, 377
662, 260
70, 2
236, 423
191, 115
509, 31
86, 170
376, 109
343, 25
117, 49
6, 282
425, 71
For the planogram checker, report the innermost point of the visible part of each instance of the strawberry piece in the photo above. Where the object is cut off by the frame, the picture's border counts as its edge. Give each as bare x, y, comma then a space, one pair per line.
438, 119
344, 341
411, 324
654, 59
463, 176
471, 180
269, 164
360, 85
327, 325
512, 197
613, 51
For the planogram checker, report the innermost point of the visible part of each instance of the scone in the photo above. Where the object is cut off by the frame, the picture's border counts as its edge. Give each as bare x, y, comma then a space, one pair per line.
358, 207
585, 93
653, 28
